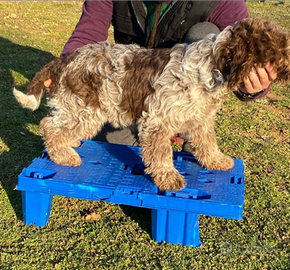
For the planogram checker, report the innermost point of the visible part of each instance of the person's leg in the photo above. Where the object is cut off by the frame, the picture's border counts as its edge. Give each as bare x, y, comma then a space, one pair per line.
199, 31
127, 136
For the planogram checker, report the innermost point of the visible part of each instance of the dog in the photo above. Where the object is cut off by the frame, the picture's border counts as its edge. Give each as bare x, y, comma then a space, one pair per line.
163, 91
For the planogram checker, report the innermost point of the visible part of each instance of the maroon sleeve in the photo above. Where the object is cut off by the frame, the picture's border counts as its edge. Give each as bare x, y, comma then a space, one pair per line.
262, 94
227, 13
93, 25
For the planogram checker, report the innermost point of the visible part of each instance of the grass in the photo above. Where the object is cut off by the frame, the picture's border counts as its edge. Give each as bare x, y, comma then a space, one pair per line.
95, 235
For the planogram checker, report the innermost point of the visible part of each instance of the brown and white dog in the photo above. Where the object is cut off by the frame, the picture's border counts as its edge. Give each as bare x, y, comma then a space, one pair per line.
162, 91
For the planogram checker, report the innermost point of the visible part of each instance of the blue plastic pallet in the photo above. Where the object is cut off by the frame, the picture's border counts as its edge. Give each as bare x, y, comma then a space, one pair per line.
115, 174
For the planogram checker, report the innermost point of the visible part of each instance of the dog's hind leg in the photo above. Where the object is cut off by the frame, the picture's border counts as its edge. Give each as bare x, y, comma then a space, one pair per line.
157, 156
59, 143
61, 137
205, 149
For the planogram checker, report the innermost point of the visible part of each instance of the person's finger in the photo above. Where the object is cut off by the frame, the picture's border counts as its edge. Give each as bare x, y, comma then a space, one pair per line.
247, 87
272, 74
255, 82
262, 79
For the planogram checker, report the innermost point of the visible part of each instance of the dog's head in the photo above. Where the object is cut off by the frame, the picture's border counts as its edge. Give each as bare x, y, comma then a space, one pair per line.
252, 41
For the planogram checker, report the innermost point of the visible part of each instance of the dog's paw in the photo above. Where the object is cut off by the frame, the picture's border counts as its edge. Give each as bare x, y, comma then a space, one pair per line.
169, 180
221, 162
66, 157
73, 161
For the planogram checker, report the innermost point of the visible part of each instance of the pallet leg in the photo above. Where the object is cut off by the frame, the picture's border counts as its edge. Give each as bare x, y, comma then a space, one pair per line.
175, 227
36, 207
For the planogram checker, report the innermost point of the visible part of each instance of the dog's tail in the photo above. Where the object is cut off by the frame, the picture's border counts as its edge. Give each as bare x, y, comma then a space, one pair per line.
36, 89
31, 102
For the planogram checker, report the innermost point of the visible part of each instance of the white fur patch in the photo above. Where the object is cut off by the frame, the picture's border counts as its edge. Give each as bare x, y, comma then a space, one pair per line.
26, 101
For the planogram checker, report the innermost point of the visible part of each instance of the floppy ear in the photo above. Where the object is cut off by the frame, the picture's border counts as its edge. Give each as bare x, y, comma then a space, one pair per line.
252, 41
231, 55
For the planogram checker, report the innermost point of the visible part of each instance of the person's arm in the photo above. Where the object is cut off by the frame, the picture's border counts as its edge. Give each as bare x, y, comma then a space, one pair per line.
228, 13
93, 25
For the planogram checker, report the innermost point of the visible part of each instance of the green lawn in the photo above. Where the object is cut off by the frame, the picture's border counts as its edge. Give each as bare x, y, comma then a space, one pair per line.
118, 237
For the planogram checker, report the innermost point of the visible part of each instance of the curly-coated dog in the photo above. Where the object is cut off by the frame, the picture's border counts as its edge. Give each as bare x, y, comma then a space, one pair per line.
162, 91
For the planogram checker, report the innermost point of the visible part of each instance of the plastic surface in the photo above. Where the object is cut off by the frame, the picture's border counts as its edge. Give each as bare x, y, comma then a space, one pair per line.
115, 174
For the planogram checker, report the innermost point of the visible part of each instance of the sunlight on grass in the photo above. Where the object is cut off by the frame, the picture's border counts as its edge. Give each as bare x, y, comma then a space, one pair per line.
34, 129
3, 147
18, 77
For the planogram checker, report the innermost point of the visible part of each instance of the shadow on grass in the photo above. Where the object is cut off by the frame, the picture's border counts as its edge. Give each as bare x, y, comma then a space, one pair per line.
20, 63
19, 145
140, 215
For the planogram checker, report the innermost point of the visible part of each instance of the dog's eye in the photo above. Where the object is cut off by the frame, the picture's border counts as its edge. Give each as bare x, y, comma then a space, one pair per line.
227, 70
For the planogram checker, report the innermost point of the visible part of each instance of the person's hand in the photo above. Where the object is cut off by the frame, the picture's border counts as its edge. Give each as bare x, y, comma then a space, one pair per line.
258, 79
47, 83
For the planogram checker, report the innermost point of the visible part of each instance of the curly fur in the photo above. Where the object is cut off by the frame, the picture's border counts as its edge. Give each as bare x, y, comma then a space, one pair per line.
162, 91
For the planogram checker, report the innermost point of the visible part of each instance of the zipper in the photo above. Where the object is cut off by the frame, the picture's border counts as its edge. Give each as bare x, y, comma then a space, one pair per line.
163, 21
136, 6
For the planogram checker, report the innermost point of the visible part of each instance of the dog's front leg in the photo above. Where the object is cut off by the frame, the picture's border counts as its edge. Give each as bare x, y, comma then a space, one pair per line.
157, 155
205, 149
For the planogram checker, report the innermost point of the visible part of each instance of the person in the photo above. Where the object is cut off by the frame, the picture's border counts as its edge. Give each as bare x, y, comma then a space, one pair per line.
157, 24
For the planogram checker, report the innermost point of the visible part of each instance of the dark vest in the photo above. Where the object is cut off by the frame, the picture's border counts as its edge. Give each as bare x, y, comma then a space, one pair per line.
131, 23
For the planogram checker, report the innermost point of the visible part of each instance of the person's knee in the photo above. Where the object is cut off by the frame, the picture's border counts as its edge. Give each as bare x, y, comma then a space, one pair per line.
199, 31
127, 136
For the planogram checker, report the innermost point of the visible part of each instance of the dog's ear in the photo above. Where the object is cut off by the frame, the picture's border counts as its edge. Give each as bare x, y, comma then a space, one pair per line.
231, 55
252, 41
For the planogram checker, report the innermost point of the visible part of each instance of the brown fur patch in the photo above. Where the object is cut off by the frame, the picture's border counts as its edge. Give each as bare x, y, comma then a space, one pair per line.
140, 73
83, 83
